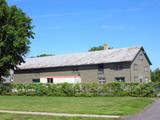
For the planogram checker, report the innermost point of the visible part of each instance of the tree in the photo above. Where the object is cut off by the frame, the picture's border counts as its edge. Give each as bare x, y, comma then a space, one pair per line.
101, 47
155, 75
15, 35
96, 48
42, 55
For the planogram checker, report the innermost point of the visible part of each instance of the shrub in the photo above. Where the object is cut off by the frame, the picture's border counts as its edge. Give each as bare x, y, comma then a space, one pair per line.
5, 89
84, 89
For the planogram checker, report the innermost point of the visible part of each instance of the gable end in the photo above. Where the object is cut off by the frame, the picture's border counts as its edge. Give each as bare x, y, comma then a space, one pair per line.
145, 54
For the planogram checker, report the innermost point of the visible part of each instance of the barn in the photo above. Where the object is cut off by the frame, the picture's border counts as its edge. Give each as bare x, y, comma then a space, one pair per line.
120, 64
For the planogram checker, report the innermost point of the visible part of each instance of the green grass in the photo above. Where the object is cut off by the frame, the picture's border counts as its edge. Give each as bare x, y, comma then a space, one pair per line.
81, 105
31, 117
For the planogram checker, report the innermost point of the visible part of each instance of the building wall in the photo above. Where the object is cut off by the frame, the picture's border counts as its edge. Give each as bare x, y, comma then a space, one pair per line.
87, 73
25, 77
111, 72
139, 74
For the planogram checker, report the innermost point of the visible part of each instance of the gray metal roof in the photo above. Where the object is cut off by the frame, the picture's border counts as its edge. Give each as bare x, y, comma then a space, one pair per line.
86, 58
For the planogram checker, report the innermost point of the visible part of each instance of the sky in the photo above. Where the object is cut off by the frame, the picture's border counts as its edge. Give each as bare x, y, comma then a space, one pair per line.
71, 26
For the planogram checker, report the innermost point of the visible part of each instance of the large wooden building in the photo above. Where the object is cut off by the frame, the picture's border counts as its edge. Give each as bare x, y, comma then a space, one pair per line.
123, 65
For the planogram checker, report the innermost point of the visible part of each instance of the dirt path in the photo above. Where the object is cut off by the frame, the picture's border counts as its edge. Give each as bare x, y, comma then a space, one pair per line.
151, 113
59, 114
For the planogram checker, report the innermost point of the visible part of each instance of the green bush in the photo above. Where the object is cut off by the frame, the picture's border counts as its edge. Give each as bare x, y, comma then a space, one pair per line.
86, 89
5, 89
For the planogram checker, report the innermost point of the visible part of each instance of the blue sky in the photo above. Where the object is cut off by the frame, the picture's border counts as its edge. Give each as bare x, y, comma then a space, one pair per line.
69, 26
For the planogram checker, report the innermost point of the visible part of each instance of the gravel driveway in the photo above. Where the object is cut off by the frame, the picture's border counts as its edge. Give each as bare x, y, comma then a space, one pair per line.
150, 113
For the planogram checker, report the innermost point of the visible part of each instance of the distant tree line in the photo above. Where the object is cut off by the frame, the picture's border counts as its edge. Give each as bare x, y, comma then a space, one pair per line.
100, 47
42, 55
96, 48
155, 75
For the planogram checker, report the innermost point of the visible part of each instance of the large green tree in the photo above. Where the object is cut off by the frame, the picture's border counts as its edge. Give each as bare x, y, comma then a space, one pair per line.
15, 34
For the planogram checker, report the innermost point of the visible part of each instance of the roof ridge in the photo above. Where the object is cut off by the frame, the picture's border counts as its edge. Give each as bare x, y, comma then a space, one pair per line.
84, 52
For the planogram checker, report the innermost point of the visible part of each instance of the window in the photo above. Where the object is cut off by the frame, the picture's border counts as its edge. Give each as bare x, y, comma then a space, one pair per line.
118, 67
36, 80
102, 80
101, 77
120, 79
49, 80
146, 79
75, 70
100, 69
140, 80
141, 57
146, 69
135, 67
136, 78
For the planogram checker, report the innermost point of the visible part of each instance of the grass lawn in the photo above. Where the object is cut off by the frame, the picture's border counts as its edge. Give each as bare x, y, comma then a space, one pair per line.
31, 117
81, 105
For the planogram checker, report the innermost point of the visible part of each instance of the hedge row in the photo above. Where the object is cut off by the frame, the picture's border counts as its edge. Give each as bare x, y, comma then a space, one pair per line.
89, 90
